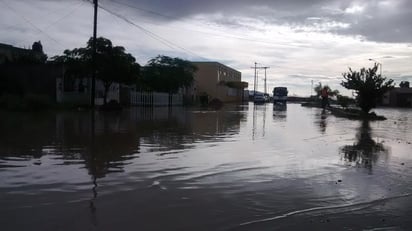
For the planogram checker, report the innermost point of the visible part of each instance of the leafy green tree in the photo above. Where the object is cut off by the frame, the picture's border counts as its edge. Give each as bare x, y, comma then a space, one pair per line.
75, 64
344, 101
404, 84
166, 74
368, 86
318, 89
113, 64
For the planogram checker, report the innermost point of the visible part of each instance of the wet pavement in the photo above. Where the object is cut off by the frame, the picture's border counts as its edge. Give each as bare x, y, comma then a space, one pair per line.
243, 167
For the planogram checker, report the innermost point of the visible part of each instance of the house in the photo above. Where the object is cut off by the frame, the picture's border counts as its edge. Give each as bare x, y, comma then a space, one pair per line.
25, 74
398, 97
9, 54
218, 81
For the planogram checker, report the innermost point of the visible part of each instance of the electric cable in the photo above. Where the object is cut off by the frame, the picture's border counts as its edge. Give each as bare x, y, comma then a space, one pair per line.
31, 24
151, 34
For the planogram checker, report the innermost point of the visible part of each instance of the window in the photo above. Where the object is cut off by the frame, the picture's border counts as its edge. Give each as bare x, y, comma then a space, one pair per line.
232, 91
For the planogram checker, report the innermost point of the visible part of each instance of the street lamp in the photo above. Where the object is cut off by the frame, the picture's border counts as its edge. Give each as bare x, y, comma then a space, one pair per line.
377, 63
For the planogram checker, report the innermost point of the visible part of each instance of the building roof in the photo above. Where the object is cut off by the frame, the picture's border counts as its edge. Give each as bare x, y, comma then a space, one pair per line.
13, 48
10, 53
213, 63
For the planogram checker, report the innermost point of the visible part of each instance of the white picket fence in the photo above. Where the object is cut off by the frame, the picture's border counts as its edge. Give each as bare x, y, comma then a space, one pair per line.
155, 99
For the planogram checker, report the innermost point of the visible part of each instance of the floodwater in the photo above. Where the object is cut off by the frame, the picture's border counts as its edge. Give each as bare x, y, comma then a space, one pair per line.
242, 167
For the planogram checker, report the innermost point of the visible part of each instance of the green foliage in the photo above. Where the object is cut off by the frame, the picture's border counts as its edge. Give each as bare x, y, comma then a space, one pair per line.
75, 63
113, 64
368, 85
318, 89
344, 101
166, 74
404, 84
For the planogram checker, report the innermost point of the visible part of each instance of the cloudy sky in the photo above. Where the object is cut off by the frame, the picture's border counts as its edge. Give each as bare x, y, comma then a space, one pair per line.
300, 40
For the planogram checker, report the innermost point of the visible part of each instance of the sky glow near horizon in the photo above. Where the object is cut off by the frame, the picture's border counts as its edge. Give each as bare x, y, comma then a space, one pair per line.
302, 41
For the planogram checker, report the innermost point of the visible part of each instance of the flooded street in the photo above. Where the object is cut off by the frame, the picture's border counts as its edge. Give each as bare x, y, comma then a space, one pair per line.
242, 167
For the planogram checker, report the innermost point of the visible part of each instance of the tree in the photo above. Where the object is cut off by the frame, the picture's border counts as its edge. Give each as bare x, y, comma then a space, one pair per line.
113, 64
404, 84
166, 74
368, 86
318, 88
344, 101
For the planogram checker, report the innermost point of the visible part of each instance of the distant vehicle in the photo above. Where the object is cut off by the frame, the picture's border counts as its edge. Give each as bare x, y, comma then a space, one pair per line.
267, 97
259, 98
280, 95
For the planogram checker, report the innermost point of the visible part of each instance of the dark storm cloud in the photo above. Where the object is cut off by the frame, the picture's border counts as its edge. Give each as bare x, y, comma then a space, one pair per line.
268, 10
375, 20
389, 22
183, 8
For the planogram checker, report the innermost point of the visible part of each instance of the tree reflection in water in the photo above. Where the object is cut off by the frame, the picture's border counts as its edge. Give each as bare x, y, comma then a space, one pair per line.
365, 151
322, 122
104, 143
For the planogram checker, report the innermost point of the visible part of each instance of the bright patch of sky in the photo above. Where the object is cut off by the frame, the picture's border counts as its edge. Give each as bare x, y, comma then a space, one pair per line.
355, 9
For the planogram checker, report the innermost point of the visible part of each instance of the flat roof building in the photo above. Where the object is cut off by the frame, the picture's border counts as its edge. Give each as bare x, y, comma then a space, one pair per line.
218, 81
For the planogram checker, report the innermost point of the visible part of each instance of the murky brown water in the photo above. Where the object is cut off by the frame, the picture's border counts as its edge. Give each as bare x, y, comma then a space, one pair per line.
241, 168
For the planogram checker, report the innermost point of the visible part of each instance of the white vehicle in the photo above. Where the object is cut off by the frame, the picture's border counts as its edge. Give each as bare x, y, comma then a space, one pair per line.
259, 98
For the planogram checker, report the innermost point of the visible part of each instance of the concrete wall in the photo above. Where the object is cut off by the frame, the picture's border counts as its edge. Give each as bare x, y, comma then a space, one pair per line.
79, 93
211, 78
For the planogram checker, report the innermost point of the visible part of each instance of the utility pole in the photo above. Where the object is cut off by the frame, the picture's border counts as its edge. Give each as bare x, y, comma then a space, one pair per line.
265, 79
255, 83
93, 90
257, 79
311, 89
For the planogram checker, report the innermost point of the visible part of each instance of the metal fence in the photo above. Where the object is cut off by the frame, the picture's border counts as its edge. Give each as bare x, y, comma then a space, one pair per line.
155, 99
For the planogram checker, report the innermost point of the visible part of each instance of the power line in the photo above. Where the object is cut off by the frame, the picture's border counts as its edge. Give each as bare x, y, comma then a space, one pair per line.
145, 10
31, 24
148, 32
66, 15
213, 34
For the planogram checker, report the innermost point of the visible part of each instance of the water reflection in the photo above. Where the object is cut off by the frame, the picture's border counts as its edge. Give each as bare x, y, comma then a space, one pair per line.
26, 135
320, 119
172, 163
365, 151
279, 111
100, 144
105, 141
323, 122
258, 115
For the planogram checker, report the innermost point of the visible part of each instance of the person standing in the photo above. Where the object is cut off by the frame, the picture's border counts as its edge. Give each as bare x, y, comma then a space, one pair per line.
325, 97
